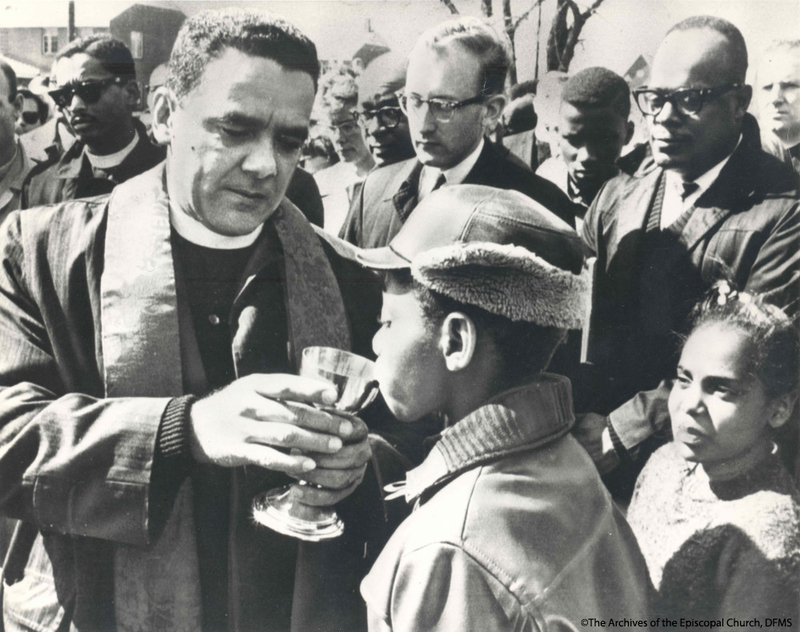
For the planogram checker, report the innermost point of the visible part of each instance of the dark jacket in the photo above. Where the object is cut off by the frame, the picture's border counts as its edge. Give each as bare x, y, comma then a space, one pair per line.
389, 195
745, 227
71, 176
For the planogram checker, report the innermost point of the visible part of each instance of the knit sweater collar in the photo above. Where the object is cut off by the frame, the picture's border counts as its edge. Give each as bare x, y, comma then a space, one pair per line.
520, 419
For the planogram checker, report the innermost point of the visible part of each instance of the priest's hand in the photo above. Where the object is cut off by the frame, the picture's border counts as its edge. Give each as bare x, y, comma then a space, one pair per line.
269, 420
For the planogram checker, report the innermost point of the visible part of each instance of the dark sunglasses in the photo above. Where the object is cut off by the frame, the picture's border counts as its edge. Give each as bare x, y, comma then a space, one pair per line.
29, 118
88, 91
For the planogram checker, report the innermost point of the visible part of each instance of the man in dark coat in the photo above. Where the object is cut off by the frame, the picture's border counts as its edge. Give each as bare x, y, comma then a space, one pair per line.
452, 95
149, 341
716, 207
96, 91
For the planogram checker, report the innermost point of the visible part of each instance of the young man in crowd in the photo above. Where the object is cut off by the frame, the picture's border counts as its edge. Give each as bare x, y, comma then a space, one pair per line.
513, 528
454, 92
148, 341
593, 127
96, 91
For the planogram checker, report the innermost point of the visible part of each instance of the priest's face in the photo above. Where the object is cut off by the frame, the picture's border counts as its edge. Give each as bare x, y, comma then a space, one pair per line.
235, 140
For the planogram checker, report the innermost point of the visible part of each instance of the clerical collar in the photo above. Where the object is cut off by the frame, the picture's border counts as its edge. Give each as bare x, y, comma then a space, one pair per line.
109, 161
195, 232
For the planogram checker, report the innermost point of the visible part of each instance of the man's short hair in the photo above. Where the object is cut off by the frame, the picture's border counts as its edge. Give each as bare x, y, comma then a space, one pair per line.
205, 37
597, 87
791, 46
522, 88
385, 75
112, 54
11, 78
480, 39
736, 56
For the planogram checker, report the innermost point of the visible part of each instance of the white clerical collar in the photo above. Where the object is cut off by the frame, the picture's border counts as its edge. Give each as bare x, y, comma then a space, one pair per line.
110, 161
195, 232
453, 175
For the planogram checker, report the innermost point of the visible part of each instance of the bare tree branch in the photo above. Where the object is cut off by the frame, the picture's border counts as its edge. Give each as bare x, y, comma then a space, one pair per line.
525, 15
449, 4
486, 8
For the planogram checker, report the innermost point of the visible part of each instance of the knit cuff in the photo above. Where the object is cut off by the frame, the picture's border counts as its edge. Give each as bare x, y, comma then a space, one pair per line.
172, 461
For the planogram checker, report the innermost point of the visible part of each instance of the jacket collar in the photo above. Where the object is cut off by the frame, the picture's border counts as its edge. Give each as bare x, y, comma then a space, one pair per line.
517, 420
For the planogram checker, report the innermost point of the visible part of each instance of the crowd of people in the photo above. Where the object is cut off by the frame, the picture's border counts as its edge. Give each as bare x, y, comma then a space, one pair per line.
587, 348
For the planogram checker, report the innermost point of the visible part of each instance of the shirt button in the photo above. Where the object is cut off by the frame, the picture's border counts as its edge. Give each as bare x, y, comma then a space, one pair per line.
213, 319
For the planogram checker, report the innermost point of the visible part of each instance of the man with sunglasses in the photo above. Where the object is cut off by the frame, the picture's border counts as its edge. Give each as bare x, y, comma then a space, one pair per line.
96, 91
715, 206
453, 94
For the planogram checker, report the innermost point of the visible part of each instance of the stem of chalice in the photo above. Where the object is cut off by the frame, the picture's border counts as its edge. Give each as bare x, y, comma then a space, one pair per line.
353, 376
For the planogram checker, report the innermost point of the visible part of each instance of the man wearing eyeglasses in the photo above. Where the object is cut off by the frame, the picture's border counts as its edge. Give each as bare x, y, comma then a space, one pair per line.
385, 124
714, 207
96, 91
340, 183
453, 93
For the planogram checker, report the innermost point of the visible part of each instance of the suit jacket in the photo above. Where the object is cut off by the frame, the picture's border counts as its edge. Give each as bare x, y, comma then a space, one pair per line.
77, 456
389, 195
745, 227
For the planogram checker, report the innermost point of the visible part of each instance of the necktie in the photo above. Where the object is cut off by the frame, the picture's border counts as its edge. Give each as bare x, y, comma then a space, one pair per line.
440, 182
687, 189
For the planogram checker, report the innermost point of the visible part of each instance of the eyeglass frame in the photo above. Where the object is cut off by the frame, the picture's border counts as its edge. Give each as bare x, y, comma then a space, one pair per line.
670, 96
71, 89
379, 113
453, 105
338, 126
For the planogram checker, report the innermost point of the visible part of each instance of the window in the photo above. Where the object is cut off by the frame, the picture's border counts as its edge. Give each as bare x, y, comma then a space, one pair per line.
49, 43
137, 44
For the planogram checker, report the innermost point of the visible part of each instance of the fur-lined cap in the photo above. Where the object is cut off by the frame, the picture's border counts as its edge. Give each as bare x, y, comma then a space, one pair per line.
496, 249
506, 280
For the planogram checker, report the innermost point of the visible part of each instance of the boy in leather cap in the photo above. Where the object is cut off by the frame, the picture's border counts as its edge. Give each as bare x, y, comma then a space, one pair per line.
512, 527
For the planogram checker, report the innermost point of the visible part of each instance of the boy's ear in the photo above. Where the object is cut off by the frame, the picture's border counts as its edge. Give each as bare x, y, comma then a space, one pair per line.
458, 341
782, 409
164, 105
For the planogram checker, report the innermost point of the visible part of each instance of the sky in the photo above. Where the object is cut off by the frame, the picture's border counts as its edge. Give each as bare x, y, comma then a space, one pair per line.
613, 37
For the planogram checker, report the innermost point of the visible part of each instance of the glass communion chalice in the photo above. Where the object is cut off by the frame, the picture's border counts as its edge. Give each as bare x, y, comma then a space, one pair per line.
356, 387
